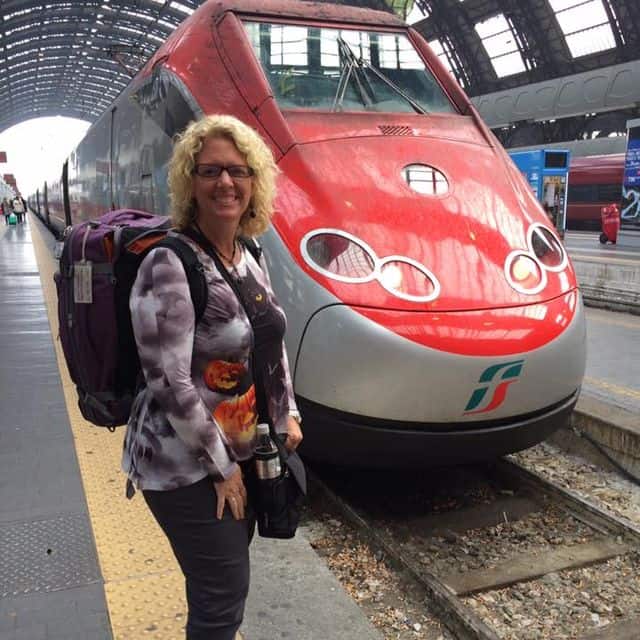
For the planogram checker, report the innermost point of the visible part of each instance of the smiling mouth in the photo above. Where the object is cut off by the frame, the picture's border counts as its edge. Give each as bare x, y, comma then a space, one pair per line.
226, 199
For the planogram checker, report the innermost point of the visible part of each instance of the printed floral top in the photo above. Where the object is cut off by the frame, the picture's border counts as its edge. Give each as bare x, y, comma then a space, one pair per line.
197, 414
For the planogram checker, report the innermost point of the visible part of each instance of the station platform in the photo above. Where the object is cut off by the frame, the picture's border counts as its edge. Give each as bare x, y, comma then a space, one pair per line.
609, 274
78, 561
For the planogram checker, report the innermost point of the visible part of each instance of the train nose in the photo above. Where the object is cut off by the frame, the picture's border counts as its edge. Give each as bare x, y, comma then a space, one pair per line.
406, 367
383, 398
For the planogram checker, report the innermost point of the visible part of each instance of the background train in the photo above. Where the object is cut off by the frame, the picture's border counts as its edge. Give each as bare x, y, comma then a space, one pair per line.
594, 181
433, 315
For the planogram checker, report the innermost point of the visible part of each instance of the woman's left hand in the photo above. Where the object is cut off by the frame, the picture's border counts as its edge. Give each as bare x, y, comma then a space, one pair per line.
294, 434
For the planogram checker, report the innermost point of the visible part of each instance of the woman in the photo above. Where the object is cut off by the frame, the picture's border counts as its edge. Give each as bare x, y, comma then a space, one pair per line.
192, 429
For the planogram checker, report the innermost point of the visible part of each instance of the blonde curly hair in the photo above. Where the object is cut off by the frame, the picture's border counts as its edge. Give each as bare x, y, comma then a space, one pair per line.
250, 144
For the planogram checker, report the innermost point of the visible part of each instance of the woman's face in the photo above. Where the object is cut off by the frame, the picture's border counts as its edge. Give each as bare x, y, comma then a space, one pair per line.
221, 199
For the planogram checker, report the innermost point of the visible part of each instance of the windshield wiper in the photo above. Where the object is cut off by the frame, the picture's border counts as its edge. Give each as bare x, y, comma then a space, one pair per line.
351, 66
354, 63
417, 107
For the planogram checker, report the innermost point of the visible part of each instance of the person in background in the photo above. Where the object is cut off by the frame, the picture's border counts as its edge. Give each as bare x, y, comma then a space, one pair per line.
18, 208
6, 210
192, 430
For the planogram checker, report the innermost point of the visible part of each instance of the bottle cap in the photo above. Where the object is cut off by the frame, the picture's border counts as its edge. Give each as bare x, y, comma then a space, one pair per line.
263, 429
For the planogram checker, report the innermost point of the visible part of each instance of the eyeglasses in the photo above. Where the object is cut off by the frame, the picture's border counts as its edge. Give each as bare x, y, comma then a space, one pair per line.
214, 171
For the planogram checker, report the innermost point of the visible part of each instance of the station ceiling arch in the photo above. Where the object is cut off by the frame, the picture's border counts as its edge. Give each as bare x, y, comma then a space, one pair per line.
495, 45
73, 57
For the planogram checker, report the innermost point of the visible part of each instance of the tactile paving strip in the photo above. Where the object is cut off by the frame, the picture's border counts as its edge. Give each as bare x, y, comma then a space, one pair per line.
46, 555
131, 602
143, 584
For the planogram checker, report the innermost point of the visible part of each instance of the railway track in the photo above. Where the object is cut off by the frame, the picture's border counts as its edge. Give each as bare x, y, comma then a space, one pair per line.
467, 533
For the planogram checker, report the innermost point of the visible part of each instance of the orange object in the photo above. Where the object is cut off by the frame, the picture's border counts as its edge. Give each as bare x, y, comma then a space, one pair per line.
223, 376
610, 216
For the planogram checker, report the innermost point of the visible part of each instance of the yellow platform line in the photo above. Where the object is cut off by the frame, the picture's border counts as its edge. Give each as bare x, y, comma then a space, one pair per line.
143, 584
604, 259
613, 388
608, 318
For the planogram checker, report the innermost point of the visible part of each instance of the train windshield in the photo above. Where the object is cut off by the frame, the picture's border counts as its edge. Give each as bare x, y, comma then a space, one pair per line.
345, 70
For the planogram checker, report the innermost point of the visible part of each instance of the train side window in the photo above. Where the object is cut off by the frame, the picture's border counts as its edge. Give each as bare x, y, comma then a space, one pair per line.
165, 108
609, 192
581, 193
163, 102
594, 193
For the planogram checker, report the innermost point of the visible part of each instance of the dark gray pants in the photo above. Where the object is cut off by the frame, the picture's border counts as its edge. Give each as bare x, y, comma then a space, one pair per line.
213, 555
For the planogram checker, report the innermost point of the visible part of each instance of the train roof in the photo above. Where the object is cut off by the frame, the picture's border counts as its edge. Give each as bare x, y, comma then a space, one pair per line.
276, 10
304, 9
608, 160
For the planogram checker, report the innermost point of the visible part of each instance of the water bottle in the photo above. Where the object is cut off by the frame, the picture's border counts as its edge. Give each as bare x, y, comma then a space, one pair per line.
266, 455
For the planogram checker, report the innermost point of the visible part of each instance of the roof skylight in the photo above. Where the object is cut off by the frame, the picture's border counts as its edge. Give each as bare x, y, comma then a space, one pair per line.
585, 25
181, 7
418, 12
438, 47
500, 44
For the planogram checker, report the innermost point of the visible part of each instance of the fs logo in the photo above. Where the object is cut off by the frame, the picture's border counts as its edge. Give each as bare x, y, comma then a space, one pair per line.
497, 377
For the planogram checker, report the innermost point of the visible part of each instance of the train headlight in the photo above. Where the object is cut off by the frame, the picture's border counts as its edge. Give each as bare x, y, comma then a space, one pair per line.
339, 255
547, 248
408, 279
524, 273
391, 277
344, 257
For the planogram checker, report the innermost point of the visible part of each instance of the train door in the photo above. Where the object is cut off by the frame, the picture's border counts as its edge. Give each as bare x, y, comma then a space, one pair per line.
113, 161
165, 107
126, 143
146, 178
65, 193
46, 204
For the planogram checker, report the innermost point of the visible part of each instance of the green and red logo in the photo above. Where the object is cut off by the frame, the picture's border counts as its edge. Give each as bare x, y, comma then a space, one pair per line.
497, 377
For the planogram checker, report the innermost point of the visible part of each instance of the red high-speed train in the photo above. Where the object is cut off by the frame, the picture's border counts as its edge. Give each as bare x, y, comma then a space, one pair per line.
594, 181
434, 316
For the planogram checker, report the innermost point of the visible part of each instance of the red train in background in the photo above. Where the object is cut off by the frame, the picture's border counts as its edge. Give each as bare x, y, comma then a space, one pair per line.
594, 181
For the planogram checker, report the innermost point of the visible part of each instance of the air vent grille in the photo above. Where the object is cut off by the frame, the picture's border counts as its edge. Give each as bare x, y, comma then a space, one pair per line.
395, 130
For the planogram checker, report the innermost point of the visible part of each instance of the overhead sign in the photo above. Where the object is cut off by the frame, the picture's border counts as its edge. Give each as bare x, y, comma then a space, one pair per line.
630, 212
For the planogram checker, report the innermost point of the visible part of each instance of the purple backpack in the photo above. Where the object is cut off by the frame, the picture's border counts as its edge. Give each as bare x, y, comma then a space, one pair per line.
98, 266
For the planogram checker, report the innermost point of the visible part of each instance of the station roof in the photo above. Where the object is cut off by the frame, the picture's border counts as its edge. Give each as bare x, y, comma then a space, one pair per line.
495, 45
73, 57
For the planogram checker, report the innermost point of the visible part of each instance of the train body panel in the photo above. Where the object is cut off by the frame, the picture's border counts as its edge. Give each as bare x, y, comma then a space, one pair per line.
477, 221
89, 180
350, 440
52, 207
300, 295
432, 385
433, 315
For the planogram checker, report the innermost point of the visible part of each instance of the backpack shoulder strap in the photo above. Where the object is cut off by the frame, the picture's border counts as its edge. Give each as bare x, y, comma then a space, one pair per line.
194, 270
252, 246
